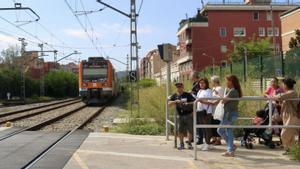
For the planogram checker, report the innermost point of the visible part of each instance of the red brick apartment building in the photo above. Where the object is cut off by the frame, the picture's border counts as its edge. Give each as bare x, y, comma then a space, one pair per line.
211, 32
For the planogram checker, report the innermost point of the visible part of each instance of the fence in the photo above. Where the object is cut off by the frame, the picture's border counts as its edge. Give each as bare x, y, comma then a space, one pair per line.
245, 98
259, 67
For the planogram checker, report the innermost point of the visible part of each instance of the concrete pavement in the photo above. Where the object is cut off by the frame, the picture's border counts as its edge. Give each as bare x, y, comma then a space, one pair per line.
122, 151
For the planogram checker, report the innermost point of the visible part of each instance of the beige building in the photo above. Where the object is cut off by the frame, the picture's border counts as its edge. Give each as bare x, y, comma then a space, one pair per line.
290, 21
153, 67
151, 64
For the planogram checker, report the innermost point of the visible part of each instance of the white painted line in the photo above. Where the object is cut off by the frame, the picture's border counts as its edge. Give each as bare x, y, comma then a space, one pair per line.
135, 155
82, 164
125, 137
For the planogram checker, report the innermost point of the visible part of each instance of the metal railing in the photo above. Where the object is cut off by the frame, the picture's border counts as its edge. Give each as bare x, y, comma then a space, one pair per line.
169, 122
246, 98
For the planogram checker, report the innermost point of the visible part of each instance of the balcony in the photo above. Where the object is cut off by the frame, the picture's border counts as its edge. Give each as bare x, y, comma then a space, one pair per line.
189, 41
186, 58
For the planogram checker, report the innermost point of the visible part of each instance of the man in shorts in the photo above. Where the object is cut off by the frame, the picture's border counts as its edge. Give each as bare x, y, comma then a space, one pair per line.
184, 106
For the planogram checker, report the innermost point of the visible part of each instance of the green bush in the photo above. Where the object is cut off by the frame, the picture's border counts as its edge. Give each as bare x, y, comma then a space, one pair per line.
61, 84
144, 83
295, 152
140, 127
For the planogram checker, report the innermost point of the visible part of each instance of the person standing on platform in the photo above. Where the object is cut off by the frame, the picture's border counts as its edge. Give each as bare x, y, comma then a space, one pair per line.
184, 106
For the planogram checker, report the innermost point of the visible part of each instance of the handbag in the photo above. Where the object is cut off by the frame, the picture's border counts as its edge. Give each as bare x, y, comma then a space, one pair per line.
219, 112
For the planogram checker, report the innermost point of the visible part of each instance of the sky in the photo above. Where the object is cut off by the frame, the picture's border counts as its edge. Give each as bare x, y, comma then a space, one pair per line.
158, 23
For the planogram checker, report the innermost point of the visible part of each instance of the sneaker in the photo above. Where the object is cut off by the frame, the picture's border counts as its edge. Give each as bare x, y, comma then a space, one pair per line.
190, 146
181, 146
205, 147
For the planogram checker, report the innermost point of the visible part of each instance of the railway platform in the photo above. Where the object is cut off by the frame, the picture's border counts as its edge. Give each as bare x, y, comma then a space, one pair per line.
116, 151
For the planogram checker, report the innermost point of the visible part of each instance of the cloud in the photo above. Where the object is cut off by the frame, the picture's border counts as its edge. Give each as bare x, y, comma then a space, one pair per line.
6, 41
80, 33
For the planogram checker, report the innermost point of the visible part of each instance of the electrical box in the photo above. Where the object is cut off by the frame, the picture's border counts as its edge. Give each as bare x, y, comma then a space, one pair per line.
166, 52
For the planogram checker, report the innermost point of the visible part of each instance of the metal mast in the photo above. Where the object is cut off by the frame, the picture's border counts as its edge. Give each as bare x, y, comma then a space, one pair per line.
42, 80
23, 67
134, 46
134, 54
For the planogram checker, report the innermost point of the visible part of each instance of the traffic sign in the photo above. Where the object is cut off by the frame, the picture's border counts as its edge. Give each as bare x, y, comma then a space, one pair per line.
133, 76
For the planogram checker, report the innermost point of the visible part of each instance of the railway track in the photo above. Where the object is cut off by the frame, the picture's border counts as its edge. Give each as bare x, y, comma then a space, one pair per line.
88, 117
36, 108
19, 115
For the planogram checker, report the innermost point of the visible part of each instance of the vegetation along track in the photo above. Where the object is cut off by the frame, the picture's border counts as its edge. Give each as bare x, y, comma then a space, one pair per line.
24, 114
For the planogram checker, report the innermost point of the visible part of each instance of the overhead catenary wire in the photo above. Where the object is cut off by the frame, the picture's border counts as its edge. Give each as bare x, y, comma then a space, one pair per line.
83, 27
94, 34
141, 6
28, 33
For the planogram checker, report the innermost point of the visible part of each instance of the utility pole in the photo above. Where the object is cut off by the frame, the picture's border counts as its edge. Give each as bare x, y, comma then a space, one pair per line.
275, 56
245, 65
127, 65
134, 46
23, 67
41, 63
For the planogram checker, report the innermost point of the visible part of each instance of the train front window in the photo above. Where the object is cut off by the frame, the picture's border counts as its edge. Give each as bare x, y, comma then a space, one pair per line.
95, 73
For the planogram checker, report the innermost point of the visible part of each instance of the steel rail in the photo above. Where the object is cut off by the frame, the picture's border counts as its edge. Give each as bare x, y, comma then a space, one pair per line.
25, 116
61, 139
34, 108
42, 124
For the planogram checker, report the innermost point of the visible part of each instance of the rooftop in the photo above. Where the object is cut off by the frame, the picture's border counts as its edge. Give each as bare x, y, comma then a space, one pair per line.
245, 7
290, 11
197, 18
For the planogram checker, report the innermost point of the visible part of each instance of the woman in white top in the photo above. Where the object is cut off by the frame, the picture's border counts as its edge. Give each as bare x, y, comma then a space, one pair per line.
218, 91
204, 111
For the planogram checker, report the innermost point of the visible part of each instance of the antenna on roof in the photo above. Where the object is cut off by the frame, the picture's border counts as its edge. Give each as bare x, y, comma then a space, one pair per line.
186, 16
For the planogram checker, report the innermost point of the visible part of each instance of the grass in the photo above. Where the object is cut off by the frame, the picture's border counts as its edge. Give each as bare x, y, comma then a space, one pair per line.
141, 127
152, 105
295, 152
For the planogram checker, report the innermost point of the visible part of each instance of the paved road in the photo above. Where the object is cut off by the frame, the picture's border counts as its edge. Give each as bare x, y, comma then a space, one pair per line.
115, 151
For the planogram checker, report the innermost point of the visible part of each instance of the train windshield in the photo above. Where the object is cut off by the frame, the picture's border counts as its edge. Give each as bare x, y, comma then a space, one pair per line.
95, 73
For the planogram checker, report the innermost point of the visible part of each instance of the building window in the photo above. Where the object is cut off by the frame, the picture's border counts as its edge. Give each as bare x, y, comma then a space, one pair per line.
270, 31
262, 31
269, 16
256, 16
223, 49
223, 32
239, 31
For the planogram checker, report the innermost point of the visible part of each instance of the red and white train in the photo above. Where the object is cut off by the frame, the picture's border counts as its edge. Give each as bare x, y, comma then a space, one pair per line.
97, 80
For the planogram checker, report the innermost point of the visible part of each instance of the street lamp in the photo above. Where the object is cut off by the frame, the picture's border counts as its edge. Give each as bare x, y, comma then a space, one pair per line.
213, 61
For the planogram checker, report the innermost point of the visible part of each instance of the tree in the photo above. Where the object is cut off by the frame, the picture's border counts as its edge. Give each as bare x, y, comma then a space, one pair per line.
61, 84
254, 48
9, 55
295, 41
292, 58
